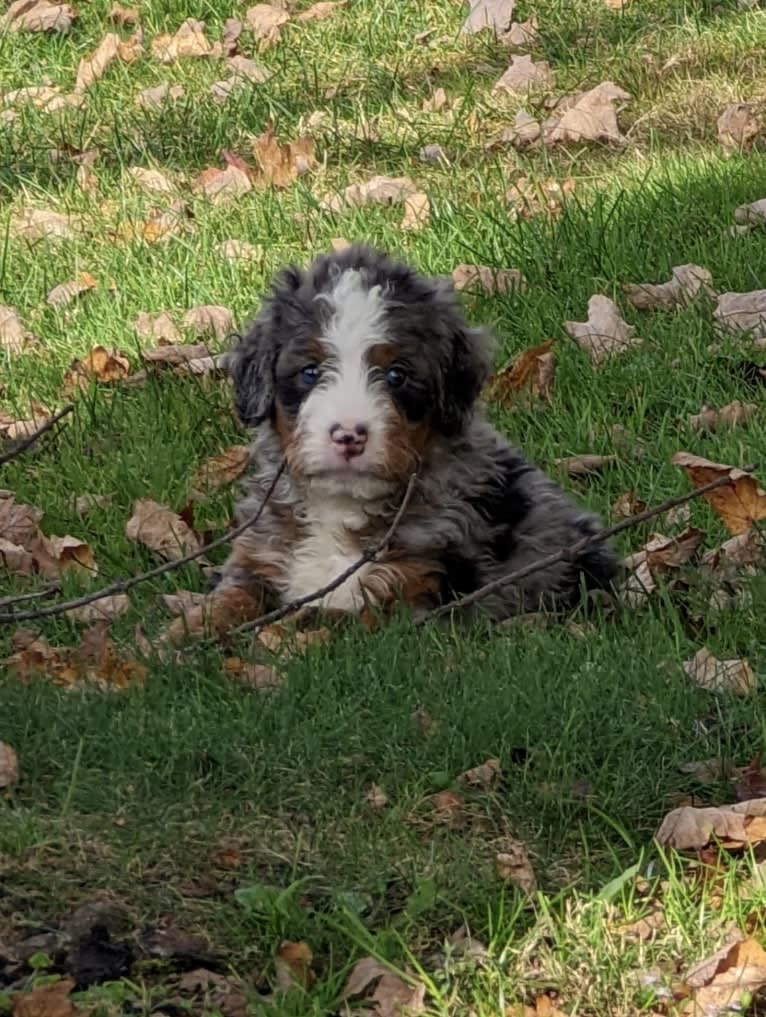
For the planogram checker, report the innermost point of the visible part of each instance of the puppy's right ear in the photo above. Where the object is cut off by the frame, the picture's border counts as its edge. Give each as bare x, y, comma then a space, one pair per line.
251, 364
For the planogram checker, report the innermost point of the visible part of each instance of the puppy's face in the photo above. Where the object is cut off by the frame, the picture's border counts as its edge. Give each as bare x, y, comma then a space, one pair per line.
359, 364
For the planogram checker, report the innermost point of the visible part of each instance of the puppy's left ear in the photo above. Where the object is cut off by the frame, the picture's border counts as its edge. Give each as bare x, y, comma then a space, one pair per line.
467, 370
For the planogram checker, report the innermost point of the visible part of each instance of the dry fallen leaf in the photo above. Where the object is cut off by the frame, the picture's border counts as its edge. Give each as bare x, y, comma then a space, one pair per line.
98, 365
47, 1000
189, 41
521, 34
390, 995
111, 48
380, 190
159, 328
321, 11
220, 470
161, 530
513, 864
281, 164
66, 292
740, 504
42, 224
125, 17
53, 555
529, 376
239, 250
742, 312
736, 553
256, 676
484, 776
737, 127
522, 75
644, 929
94, 661
688, 282
232, 30
584, 465
605, 334
483, 279
222, 185
9, 766
209, 319
105, 609
173, 355
376, 797
737, 976
734, 414
495, 15
183, 601
591, 116
525, 131
627, 505
244, 69
449, 808
13, 335
710, 771
749, 216
158, 228
152, 180
533, 197
417, 209
691, 828
158, 95
716, 675
293, 965
265, 22
38, 16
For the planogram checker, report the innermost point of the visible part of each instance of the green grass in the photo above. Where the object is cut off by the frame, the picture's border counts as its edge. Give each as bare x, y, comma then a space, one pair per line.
136, 794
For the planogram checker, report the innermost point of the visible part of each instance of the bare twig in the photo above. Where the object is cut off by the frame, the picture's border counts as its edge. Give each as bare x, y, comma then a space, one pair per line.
368, 555
43, 594
123, 585
22, 446
571, 552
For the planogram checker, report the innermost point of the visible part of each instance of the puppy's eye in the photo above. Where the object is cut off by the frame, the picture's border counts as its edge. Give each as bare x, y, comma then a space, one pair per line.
395, 377
310, 374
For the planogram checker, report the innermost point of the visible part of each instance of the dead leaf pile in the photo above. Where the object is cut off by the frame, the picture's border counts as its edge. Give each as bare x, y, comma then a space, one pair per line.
25, 550
688, 282
526, 380
605, 334
94, 661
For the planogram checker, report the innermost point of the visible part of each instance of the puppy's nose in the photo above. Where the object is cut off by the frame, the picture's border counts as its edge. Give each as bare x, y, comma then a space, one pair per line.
350, 439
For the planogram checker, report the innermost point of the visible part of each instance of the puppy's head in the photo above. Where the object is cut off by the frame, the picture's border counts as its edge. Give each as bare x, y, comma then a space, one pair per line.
359, 363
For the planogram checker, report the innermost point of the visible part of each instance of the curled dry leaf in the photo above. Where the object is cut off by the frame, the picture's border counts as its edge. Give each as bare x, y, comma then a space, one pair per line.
417, 210
689, 828
255, 676
589, 116
389, 994
736, 553
152, 180
737, 974
98, 365
380, 190
111, 48
265, 22
484, 776
280, 164
159, 95
585, 465
742, 312
688, 282
321, 11
513, 864
95, 660
9, 766
627, 505
734, 414
161, 530
239, 250
220, 470
528, 377
656, 558
66, 292
159, 328
740, 504
522, 75
189, 41
54, 555
605, 334
293, 965
376, 797
208, 319
47, 1000
38, 16
493, 15
222, 185
737, 126
716, 675
43, 224
13, 335
483, 279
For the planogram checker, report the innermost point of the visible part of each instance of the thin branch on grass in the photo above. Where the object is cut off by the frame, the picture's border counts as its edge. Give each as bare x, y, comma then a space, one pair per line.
43, 594
370, 554
27, 442
571, 552
123, 585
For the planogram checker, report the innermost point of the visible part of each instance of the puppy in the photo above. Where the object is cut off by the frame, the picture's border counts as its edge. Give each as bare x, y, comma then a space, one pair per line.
358, 372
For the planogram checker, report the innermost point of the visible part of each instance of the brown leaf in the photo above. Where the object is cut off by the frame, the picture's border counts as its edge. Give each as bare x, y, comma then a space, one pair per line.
232, 29
495, 15
125, 17
174, 355
484, 776
482, 279
687, 283
50, 1000
256, 676
531, 197
16, 559
752, 780
644, 929
98, 365
449, 808
110, 48
584, 465
293, 964
417, 210
9, 766
739, 504
209, 319
66, 292
749, 216
183, 601
220, 470
13, 335
734, 414
281, 164
605, 334
189, 41
158, 95
379, 190
376, 797
391, 995
529, 376
690, 828
38, 16
94, 661
521, 34
243, 68
105, 609
736, 553
738, 975
525, 131
711, 771
222, 185
522, 75
716, 675
42, 224
54, 555
627, 505
742, 312
152, 180
265, 23
321, 11
590, 116
514, 865
738, 126
239, 250
159, 328
161, 530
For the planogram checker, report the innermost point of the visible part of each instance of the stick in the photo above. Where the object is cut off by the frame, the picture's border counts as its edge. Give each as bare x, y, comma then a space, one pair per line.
123, 585
22, 446
47, 591
568, 553
369, 555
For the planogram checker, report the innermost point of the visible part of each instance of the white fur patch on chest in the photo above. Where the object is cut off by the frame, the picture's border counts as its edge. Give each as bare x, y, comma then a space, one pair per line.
328, 548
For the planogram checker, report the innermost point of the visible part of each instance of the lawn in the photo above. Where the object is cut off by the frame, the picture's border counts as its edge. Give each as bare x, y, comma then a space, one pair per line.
220, 822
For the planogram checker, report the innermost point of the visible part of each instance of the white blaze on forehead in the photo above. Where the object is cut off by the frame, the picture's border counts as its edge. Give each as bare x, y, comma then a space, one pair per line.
357, 320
